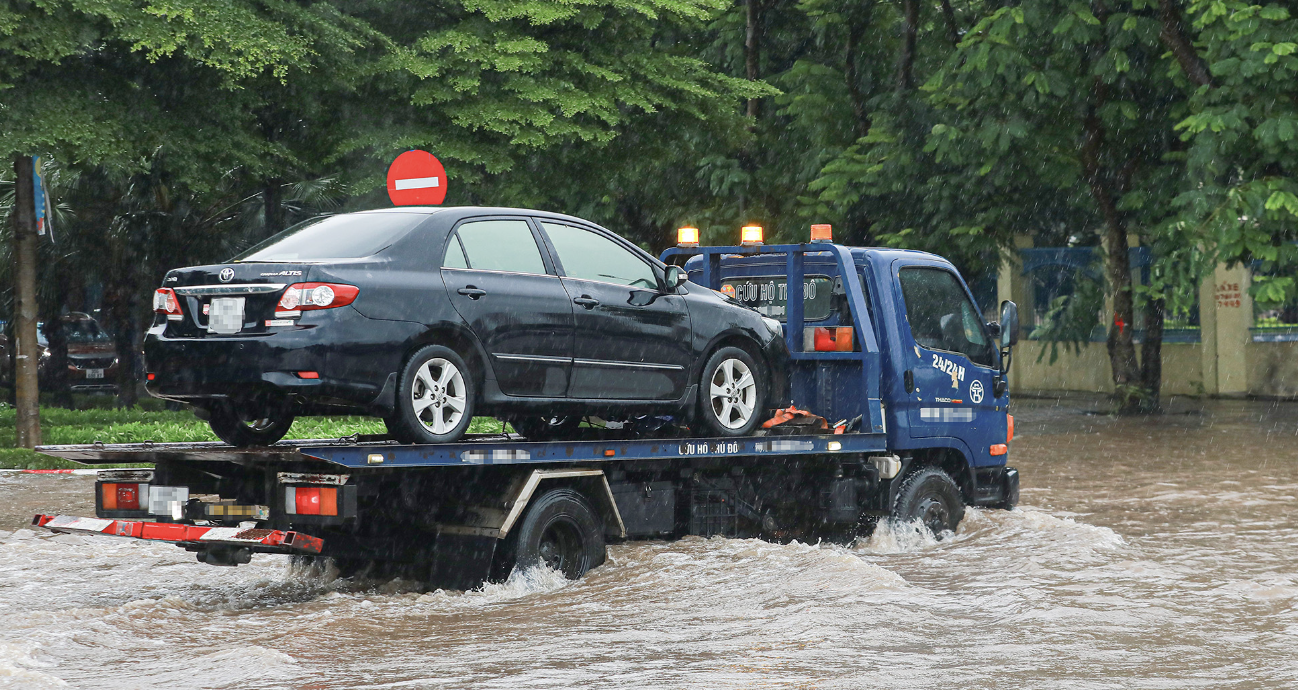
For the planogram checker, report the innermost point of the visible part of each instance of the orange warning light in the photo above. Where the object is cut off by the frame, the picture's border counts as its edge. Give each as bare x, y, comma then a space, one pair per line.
687, 237
822, 232
750, 235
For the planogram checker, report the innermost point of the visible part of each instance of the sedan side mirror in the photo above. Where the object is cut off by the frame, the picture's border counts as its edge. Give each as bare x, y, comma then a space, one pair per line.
675, 277
1009, 324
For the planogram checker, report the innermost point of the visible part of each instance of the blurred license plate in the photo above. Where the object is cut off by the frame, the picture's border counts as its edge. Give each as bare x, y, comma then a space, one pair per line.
226, 315
94, 373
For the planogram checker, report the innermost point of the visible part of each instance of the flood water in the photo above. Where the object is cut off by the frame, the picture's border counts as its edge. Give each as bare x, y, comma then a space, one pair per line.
1148, 553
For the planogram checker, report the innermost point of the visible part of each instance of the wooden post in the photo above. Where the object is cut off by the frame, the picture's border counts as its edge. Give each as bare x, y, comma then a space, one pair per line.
26, 393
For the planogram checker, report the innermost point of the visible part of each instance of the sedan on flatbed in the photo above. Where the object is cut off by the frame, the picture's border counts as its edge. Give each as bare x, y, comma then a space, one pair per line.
428, 316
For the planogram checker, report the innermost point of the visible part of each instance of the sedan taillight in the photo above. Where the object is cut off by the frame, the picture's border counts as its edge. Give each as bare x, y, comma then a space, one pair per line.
307, 296
165, 302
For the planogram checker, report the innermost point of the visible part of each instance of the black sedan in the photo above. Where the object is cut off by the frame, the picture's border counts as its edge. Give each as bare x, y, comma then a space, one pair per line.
428, 316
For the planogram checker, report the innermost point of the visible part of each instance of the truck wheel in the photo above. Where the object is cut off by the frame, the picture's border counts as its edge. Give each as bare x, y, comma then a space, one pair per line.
242, 427
930, 496
435, 397
732, 393
560, 531
547, 428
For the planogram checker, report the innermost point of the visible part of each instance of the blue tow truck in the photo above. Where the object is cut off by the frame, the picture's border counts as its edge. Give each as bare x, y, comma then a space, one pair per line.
887, 345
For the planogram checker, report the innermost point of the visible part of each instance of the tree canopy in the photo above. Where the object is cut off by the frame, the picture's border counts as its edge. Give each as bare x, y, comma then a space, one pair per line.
182, 130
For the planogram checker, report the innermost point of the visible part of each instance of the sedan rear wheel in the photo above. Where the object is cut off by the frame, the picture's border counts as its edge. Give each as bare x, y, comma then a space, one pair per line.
733, 393
435, 401
250, 425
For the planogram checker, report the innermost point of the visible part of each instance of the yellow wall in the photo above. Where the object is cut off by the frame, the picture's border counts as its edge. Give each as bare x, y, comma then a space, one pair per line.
1088, 370
1272, 369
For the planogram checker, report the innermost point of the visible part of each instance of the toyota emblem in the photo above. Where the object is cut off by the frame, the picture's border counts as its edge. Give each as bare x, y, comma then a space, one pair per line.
226, 275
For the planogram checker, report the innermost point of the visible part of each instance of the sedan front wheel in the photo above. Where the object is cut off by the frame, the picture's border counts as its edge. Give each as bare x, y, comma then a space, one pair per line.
732, 393
435, 399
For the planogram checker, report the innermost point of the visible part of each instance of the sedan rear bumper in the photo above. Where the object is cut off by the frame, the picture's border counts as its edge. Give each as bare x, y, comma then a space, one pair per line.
334, 356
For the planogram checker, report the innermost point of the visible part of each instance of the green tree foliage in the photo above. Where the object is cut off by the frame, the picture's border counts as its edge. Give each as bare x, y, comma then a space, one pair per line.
187, 129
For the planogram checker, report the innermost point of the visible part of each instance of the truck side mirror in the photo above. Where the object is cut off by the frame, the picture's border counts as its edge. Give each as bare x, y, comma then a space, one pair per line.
675, 277
1009, 324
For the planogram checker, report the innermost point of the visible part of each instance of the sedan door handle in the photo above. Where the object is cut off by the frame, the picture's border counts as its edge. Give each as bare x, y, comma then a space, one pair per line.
471, 292
586, 301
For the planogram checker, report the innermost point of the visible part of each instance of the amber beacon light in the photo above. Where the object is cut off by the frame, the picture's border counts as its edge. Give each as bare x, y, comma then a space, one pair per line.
822, 232
750, 235
687, 237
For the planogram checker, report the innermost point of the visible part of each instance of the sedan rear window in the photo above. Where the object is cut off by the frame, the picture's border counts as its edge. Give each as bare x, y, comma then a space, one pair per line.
350, 236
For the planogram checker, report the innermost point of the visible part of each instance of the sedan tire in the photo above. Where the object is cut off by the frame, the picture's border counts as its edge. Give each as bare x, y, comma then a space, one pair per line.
435, 398
732, 393
238, 427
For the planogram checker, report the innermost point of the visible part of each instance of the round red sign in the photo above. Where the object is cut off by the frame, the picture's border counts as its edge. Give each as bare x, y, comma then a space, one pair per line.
416, 178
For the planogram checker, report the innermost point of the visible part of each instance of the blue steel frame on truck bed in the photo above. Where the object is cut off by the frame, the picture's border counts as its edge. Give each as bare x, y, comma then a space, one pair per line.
822, 374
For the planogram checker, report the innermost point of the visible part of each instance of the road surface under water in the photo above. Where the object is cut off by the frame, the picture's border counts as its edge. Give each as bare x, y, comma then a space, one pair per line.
1148, 553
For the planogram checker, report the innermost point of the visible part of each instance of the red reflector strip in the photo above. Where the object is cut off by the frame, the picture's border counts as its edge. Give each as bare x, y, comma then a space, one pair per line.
308, 374
1009, 432
184, 534
1000, 449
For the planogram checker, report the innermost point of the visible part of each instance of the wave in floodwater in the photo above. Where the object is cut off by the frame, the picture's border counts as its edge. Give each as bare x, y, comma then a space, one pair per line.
1148, 554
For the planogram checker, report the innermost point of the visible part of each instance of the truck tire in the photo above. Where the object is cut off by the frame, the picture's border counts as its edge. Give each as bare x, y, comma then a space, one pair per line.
435, 397
238, 427
560, 531
732, 393
930, 496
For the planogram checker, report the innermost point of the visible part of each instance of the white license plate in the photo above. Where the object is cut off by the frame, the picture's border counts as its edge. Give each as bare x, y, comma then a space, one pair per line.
226, 315
94, 373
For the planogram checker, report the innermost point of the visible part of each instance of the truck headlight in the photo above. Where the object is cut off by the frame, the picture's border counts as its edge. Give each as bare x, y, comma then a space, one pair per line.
775, 326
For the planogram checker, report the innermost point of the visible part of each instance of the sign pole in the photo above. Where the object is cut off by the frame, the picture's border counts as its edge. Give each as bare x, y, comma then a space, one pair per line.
26, 393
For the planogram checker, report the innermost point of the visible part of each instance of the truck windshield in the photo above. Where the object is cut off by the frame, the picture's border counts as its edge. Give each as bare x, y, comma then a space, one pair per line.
350, 236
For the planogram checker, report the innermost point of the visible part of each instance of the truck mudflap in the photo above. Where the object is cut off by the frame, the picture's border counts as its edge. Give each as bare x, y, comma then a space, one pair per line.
192, 537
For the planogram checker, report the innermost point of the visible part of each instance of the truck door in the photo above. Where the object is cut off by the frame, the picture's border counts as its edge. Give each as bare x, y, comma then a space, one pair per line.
498, 282
951, 359
631, 341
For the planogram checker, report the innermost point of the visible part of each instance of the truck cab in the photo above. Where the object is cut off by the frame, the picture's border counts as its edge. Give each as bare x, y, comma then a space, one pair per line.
942, 390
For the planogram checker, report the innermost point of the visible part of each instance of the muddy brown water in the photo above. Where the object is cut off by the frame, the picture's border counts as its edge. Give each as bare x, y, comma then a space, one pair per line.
1148, 553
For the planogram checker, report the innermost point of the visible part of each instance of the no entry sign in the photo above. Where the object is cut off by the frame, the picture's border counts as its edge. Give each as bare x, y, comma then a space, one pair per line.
416, 178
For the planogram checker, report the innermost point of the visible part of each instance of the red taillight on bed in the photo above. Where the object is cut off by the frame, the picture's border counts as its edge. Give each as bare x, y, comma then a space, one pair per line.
306, 296
121, 496
311, 500
166, 302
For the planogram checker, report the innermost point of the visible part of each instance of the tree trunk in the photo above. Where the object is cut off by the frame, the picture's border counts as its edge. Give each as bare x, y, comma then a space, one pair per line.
952, 26
1151, 354
1117, 264
26, 392
906, 57
1172, 34
752, 49
860, 115
273, 205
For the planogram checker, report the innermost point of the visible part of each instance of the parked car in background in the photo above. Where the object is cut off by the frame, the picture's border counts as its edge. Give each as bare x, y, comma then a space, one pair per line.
428, 316
92, 357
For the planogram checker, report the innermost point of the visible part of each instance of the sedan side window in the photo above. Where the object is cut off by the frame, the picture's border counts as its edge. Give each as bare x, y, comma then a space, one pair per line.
941, 316
454, 254
499, 245
590, 256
